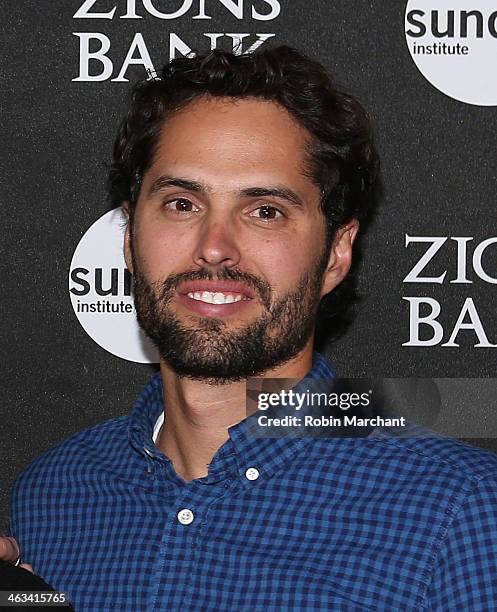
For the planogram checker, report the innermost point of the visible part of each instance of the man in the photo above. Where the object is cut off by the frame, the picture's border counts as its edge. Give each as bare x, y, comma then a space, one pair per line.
244, 180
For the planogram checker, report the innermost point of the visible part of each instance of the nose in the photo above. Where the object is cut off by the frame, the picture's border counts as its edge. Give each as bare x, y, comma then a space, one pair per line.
217, 245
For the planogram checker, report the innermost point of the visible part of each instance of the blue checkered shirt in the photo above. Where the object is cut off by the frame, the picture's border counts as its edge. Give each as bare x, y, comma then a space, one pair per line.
341, 524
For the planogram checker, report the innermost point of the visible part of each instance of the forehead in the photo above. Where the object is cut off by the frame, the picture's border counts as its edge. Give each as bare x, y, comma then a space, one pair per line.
224, 139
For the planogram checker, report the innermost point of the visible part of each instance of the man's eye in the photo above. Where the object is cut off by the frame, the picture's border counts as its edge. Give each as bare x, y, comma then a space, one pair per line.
267, 213
180, 205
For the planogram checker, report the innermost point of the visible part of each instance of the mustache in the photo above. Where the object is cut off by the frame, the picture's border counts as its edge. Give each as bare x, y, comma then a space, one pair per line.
261, 287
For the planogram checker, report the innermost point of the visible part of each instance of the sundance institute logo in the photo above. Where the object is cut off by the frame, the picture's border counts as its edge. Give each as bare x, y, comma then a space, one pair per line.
454, 45
101, 291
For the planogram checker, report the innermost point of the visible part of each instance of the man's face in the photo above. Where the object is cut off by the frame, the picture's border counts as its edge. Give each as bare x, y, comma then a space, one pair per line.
227, 246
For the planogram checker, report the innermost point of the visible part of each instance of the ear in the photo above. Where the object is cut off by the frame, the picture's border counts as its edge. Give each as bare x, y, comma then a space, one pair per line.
340, 256
127, 238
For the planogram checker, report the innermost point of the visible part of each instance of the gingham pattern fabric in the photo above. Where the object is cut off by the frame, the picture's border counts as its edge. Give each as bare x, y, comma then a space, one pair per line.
378, 523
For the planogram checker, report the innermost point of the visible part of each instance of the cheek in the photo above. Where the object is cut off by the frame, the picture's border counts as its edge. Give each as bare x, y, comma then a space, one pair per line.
289, 260
280, 261
162, 251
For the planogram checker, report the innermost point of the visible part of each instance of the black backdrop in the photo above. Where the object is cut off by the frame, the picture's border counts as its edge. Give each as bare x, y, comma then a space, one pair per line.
439, 172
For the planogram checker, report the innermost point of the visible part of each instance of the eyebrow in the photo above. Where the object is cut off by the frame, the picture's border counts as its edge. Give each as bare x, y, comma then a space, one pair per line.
168, 181
250, 192
275, 192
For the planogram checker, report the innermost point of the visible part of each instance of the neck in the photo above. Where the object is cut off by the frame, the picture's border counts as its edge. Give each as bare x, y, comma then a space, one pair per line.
199, 414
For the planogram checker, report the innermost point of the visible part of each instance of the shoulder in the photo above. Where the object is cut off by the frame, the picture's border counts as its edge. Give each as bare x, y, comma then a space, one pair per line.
447, 454
423, 446
94, 445
426, 450
431, 471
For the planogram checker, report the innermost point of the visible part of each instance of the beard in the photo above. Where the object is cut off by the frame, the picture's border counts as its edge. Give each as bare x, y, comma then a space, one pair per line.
208, 349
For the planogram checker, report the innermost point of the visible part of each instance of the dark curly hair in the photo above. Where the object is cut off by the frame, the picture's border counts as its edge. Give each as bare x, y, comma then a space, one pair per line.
342, 159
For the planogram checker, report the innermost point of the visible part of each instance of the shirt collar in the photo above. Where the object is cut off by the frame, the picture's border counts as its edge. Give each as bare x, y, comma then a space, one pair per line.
241, 451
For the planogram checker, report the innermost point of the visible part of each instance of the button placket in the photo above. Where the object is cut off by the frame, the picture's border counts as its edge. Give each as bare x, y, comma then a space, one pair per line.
180, 538
201, 518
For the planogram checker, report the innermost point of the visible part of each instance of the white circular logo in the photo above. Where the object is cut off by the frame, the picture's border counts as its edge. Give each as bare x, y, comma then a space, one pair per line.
454, 45
100, 287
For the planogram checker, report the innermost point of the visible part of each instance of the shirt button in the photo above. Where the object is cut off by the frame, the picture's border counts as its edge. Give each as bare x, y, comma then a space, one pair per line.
185, 516
252, 473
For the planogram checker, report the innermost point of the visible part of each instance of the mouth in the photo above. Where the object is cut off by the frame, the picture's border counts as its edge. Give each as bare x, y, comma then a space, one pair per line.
215, 298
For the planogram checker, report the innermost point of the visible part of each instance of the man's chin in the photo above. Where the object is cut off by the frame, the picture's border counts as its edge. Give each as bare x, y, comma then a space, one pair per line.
223, 331
209, 369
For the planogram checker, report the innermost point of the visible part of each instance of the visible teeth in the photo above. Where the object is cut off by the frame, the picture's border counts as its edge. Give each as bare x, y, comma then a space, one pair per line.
216, 298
